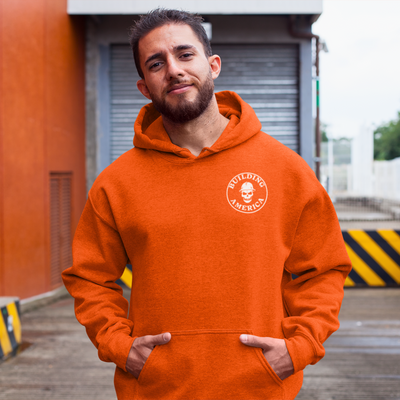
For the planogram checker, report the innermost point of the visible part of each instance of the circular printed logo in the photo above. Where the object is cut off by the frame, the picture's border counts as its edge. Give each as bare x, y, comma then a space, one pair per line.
247, 193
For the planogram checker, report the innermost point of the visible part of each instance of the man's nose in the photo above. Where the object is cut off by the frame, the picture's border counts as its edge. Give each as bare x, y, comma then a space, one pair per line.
173, 69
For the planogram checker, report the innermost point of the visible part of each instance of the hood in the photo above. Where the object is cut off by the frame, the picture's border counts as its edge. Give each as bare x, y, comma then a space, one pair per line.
150, 132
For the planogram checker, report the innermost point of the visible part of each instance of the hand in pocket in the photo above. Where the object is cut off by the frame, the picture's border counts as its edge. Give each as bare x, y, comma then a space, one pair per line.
275, 352
141, 348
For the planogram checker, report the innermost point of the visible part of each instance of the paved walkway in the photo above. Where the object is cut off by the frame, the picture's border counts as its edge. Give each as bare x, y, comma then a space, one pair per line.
362, 359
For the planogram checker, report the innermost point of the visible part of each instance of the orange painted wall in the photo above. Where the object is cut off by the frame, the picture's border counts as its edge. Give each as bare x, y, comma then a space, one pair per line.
42, 130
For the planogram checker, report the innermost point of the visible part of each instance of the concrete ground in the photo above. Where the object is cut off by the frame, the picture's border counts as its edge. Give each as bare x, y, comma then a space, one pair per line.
362, 359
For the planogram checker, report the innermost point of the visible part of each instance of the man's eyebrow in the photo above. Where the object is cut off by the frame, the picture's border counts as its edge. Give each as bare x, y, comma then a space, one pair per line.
184, 47
151, 58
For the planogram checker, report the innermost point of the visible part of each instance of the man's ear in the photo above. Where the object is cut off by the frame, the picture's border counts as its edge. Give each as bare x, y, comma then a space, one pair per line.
215, 65
141, 85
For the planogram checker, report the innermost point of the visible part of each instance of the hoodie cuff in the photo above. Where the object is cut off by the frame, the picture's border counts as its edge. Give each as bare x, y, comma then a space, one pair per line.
117, 349
301, 351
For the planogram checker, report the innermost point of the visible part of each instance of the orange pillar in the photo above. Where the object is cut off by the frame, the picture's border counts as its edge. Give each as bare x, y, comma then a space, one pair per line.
42, 129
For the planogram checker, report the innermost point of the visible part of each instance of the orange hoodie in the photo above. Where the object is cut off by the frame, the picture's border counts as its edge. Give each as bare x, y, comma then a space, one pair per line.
213, 241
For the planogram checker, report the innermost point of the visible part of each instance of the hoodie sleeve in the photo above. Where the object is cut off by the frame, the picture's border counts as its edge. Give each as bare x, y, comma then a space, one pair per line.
99, 259
319, 258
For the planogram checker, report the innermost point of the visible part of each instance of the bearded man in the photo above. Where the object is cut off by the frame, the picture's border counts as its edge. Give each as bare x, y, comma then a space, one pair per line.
214, 312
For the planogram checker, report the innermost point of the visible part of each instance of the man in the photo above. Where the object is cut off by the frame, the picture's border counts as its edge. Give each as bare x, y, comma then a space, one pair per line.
214, 216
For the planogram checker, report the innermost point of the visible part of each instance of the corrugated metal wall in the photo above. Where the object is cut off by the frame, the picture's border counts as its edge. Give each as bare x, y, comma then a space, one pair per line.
266, 76
126, 100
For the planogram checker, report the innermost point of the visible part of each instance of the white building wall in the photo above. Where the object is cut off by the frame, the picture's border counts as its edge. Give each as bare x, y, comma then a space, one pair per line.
224, 7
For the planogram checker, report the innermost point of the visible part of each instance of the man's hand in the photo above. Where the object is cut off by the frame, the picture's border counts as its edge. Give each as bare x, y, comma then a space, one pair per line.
275, 351
141, 349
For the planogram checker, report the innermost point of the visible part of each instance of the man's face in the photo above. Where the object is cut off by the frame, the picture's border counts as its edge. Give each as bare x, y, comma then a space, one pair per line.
178, 76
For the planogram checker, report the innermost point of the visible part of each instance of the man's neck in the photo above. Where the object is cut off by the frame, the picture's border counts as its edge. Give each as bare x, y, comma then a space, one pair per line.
199, 133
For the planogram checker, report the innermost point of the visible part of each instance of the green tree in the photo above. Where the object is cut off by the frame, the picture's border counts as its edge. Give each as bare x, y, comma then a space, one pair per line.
387, 140
324, 136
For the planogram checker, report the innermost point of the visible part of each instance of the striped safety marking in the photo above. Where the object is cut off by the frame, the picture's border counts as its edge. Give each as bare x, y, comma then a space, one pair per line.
126, 278
375, 256
10, 328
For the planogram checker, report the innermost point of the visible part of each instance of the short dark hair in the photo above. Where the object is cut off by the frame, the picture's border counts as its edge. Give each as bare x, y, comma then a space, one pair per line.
160, 17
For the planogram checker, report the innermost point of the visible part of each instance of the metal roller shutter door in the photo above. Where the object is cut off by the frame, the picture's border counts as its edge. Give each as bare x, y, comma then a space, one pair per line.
265, 76
126, 100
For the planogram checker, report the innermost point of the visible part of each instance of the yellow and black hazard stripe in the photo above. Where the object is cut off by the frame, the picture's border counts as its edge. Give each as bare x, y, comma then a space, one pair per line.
126, 278
375, 257
10, 328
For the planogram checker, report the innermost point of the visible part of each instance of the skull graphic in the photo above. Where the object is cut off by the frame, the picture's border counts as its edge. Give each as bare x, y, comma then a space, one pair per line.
247, 191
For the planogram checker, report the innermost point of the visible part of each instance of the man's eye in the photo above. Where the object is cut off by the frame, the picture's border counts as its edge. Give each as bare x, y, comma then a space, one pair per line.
155, 65
186, 55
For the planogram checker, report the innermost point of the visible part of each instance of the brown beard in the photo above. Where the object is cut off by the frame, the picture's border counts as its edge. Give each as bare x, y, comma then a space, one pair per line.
185, 111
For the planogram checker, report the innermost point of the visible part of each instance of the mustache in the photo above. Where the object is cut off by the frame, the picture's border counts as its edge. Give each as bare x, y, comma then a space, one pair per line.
177, 82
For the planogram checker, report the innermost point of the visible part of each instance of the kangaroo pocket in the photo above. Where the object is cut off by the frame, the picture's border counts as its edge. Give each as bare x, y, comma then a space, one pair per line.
208, 365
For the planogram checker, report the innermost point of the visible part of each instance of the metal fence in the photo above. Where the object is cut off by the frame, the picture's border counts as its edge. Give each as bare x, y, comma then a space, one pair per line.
361, 189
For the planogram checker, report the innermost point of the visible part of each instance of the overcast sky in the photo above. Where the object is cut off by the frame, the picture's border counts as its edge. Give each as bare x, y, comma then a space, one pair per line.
360, 75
